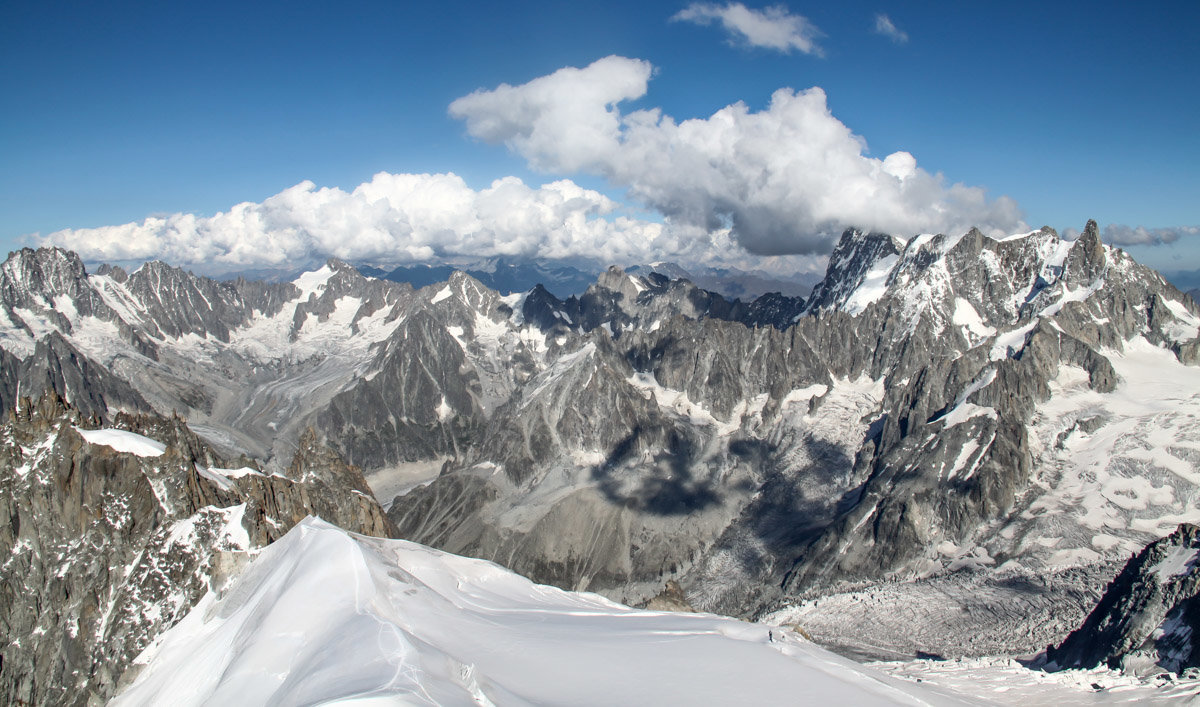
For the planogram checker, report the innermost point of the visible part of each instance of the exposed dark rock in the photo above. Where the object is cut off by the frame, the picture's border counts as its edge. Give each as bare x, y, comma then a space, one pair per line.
1148, 620
105, 549
56, 366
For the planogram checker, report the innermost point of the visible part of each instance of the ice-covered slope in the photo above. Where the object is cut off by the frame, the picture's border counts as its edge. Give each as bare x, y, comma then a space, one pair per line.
324, 615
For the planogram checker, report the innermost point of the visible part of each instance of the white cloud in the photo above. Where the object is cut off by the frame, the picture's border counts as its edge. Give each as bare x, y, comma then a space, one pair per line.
405, 218
393, 218
568, 117
885, 26
771, 27
1122, 235
786, 179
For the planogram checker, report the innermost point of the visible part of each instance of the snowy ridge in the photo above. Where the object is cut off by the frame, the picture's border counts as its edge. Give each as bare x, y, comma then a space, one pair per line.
324, 615
327, 616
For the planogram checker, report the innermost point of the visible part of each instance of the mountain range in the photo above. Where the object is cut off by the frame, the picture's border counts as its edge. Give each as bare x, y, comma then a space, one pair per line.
564, 279
995, 423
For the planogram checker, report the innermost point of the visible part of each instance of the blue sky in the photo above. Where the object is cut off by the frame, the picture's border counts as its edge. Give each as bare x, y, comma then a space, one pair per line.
116, 112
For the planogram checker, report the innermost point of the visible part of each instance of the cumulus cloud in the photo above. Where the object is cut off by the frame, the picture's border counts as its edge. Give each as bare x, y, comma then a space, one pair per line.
394, 218
885, 26
1122, 235
771, 27
786, 179
563, 122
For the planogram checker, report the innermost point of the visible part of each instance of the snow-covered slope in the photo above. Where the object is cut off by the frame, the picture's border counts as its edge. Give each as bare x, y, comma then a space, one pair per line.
323, 615
329, 617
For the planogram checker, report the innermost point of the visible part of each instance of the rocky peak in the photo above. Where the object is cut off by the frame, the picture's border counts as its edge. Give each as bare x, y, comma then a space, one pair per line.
464, 302
542, 309
47, 271
617, 280
344, 280
342, 287
177, 302
268, 298
1087, 259
337, 265
47, 280
314, 459
116, 272
857, 256
471, 291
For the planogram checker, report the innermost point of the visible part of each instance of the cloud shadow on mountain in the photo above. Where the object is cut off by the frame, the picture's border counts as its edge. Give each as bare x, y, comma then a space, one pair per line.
665, 485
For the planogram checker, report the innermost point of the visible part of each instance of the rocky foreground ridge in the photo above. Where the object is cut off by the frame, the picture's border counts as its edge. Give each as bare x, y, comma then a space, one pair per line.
1148, 620
111, 531
1023, 408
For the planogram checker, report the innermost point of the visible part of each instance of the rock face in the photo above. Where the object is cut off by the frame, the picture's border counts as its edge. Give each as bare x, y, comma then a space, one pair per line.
57, 366
896, 429
111, 532
939, 404
1148, 620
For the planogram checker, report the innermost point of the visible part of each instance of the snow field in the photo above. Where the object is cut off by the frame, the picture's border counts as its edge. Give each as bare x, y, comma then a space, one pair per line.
323, 616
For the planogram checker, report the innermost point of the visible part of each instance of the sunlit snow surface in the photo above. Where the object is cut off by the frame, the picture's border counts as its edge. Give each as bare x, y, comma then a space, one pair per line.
326, 616
122, 441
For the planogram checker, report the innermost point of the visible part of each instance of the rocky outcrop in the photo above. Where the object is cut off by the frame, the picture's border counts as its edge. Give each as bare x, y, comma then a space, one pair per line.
48, 289
856, 256
343, 281
1148, 620
455, 355
56, 366
109, 534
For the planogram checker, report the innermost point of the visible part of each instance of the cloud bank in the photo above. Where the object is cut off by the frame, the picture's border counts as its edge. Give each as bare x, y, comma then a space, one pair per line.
885, 26
770, 28
394, 218
787, 179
